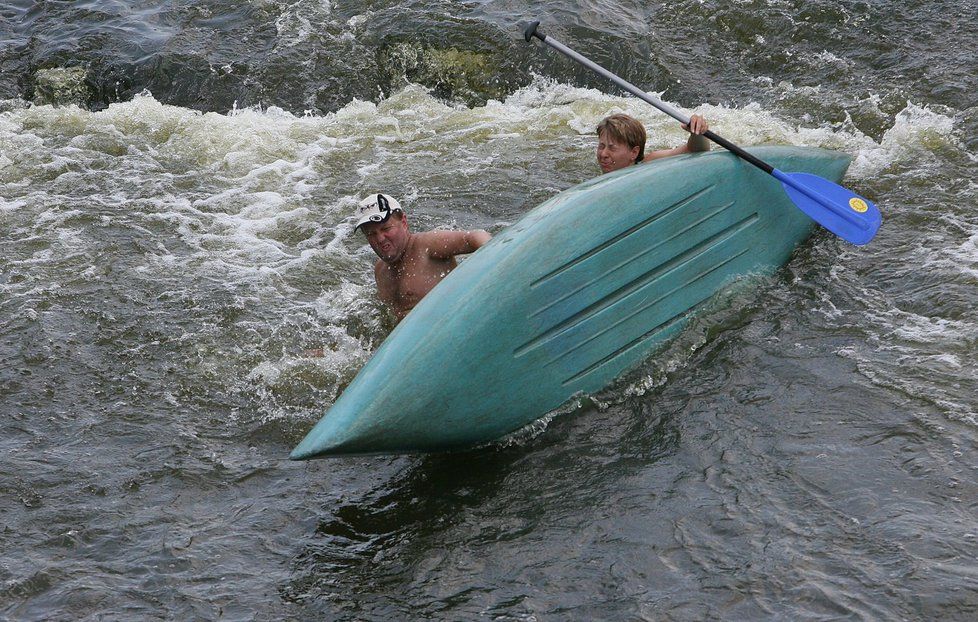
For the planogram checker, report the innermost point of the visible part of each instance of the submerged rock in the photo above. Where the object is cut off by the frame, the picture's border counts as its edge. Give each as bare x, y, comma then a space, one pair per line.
61, 86
452, 74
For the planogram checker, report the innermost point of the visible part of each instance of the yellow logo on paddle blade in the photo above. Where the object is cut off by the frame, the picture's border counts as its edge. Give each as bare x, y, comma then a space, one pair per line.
858, 205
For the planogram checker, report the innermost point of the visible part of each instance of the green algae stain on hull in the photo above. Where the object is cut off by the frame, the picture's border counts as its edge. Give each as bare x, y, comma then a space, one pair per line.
580, 290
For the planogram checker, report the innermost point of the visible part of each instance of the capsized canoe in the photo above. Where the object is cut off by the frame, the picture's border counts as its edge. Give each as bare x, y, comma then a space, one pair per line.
578, 291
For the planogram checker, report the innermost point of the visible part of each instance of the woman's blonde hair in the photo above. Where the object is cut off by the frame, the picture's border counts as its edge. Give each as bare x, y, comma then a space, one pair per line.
626, 129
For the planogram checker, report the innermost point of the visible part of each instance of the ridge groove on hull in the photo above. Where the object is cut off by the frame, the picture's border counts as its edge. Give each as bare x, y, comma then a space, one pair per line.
661, 328
644, 280
621, 236
607, 273
608, 327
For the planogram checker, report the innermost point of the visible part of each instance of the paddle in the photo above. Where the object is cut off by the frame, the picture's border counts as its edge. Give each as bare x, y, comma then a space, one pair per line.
841, 211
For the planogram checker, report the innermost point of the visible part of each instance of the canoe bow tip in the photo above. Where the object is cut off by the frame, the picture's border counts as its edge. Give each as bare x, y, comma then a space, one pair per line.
301, 453
324, 442
313, 446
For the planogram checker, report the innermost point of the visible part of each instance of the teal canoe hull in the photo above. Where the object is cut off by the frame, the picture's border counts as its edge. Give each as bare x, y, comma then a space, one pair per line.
580, 290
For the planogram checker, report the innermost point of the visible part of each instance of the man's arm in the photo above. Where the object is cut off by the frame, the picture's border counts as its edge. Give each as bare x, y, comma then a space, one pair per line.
696, 142
447, 244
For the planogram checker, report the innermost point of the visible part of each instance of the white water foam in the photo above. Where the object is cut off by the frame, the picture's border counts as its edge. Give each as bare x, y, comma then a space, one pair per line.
259, 180
917, 130
261, 198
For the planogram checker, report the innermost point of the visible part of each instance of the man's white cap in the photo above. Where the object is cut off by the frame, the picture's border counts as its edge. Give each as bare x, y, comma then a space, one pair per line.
376, 208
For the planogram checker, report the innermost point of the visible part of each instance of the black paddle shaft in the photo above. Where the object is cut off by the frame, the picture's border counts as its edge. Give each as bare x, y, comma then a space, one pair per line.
531, 31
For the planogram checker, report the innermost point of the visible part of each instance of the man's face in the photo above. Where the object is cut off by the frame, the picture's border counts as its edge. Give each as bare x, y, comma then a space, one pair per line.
389, 238
614, 154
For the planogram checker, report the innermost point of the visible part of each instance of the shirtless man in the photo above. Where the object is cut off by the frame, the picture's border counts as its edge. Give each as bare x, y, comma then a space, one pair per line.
410, 264
621, 142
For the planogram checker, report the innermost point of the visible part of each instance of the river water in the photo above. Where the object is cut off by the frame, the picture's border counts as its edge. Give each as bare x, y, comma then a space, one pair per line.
176, 236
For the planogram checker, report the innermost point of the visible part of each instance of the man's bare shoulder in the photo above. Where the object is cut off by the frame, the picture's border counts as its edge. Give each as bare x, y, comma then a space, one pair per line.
435, 235
445, 244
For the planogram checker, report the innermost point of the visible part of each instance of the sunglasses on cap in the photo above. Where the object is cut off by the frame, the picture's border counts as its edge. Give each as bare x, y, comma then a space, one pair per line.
385, 208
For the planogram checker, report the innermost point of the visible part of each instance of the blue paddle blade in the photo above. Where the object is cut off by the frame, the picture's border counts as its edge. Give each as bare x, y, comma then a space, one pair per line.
841, 211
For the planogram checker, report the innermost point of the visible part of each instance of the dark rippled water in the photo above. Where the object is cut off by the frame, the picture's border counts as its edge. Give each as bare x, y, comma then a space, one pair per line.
175, 236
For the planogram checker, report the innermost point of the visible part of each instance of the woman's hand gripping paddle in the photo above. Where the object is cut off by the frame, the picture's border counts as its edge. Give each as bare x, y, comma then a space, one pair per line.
841, 211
